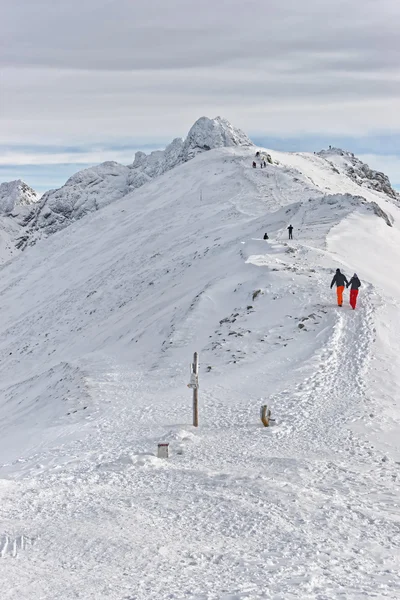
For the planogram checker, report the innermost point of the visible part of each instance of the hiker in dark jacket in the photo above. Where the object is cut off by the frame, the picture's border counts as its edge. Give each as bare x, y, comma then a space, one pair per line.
355, 284
290, 228
266, 236
340, 280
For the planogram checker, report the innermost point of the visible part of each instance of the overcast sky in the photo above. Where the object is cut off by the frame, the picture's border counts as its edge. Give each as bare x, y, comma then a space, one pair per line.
81, 80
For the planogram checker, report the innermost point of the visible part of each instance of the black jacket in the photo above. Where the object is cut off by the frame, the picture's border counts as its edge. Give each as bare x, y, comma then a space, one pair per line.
339, 279
355, 283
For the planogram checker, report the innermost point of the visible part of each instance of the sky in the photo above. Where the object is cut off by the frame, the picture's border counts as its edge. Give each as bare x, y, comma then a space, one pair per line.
83, 82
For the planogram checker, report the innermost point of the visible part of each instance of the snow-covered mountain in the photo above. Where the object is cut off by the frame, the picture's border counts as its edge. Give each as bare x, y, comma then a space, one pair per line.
206, 134
91, 189
18, 205
99, 325
14, 194
359, 172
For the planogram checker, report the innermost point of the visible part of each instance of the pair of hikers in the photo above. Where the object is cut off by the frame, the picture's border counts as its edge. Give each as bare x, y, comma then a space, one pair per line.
340, 279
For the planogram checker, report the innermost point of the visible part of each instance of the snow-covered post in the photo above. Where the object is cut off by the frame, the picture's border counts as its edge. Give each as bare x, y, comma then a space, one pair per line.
194, 384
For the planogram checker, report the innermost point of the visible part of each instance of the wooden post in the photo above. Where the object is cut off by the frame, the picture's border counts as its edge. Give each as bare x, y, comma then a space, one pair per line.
196, 390
265, 415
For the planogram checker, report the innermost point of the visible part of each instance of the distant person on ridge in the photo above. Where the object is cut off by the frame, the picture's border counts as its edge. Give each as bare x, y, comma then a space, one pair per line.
266, 236
290, 229
340, 281
355, 284
254, 164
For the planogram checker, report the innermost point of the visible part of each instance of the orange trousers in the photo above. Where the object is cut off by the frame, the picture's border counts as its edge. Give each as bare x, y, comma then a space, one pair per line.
339, 292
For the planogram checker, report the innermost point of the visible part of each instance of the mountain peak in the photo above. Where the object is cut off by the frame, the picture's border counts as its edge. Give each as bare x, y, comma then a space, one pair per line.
207, 134
16, 193
358, 171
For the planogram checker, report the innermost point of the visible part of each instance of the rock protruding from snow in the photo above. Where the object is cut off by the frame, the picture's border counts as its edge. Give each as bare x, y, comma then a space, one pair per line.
14, 194
359, 172
206, 134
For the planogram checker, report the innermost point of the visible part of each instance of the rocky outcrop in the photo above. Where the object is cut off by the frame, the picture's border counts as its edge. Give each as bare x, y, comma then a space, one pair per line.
206, 134
359, 172
14, 194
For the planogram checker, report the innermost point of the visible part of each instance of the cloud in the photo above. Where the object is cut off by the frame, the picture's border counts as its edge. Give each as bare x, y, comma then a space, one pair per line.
142, 35
97, 70
48, 156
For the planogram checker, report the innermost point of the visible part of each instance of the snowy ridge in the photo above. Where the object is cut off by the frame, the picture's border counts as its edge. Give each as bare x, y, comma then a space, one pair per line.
206, 134
91, 189
99, 324
359, 172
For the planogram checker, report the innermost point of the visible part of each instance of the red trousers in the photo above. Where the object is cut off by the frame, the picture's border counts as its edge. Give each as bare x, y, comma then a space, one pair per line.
353, 298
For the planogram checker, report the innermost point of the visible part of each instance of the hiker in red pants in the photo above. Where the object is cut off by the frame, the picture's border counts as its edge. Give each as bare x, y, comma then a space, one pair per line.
355, 284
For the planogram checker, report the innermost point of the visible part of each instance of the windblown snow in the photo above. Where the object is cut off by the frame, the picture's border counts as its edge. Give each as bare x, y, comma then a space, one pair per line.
99, 326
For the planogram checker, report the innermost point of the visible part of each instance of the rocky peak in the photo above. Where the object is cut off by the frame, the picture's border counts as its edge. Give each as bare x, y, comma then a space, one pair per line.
359, 172
207, 134
14, 194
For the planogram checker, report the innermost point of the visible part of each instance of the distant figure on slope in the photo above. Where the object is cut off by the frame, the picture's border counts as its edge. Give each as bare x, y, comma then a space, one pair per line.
340, 281
266, 236
355, 284
261, 164
254, 164
265, 164
290, 229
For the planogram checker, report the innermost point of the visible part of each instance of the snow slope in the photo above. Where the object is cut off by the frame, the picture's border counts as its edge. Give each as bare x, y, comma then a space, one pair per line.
99, 324
91, 189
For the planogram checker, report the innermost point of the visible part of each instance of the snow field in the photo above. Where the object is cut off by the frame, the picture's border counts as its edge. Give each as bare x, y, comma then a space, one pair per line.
110, 311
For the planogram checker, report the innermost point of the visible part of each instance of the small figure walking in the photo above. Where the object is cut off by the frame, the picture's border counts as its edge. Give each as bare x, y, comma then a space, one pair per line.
290, 229
355, 284
254, 164
266, 236
340, 280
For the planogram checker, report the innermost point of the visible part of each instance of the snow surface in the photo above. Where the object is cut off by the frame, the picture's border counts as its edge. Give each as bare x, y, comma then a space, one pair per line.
99, 325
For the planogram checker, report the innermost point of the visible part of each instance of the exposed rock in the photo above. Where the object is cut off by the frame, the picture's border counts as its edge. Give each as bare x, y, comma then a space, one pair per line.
359, 172
14, 194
